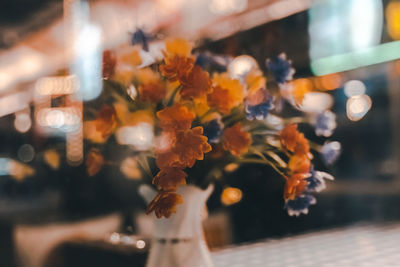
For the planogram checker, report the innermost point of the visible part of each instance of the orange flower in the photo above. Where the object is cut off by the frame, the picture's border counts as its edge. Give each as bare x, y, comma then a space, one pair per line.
190, 146
299, 163
288, 137
227, 93
91, 133
302, 146
176, 67
153, 92
179, 47
109, 62
195, 84
94, 161
295, 186
175, 118
106, 121
164, 204
169, 179
236, 140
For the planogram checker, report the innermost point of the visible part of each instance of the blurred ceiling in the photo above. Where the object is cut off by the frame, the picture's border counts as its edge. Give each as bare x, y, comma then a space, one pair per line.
34, 43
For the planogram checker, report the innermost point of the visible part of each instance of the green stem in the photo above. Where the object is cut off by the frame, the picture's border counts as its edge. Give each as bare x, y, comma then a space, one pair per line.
296, 120
262, 161
172, 98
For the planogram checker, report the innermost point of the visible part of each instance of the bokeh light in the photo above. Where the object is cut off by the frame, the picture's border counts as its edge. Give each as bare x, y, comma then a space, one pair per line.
129, 168
140, 136
225, 7
22, 122
231, 195
316, 102
393, 20
26, 153
358, 106
241, 66
354, 88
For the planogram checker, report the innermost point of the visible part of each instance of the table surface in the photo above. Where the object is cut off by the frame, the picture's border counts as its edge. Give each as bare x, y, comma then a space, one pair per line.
358, 246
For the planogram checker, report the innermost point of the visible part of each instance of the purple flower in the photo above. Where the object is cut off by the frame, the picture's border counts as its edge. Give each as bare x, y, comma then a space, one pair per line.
281, 68
142, 38
259, 111
213, 130
316, 182
330, 152
299, 205
325, 123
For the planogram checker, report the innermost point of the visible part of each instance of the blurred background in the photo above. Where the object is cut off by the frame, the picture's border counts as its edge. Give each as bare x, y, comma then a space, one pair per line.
349, 49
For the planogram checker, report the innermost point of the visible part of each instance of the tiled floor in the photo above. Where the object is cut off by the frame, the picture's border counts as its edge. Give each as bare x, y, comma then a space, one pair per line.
357, 246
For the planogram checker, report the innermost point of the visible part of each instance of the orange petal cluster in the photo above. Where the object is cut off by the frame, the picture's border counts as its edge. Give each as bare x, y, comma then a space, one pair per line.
299, 163
195, 84
152, 92
169, 179
106, 121
227, 93
190, 146
164, 204
176, 67
236, 140
109, 63
295, 186
175, 118
179, 147
94, 162
294, 141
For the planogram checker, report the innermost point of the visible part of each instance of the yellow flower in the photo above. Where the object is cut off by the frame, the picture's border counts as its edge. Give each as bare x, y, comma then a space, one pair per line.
127, 118
255, 80
52, 158
124, 76
178, 47
164, 204
169, 179
236, 140
130, 56
227, 93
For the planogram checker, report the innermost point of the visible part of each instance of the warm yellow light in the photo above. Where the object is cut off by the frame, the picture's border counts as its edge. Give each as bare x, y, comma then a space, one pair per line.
393, 20
22, 122
57, 85
58, 117
231, 196
231, 167
140, 136
330, 81
129, 168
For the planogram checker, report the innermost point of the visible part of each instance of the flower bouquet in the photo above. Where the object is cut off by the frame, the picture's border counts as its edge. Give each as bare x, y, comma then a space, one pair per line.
187, 116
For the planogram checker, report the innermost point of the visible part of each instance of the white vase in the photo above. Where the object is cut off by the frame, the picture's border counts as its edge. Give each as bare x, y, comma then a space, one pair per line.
179, 240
